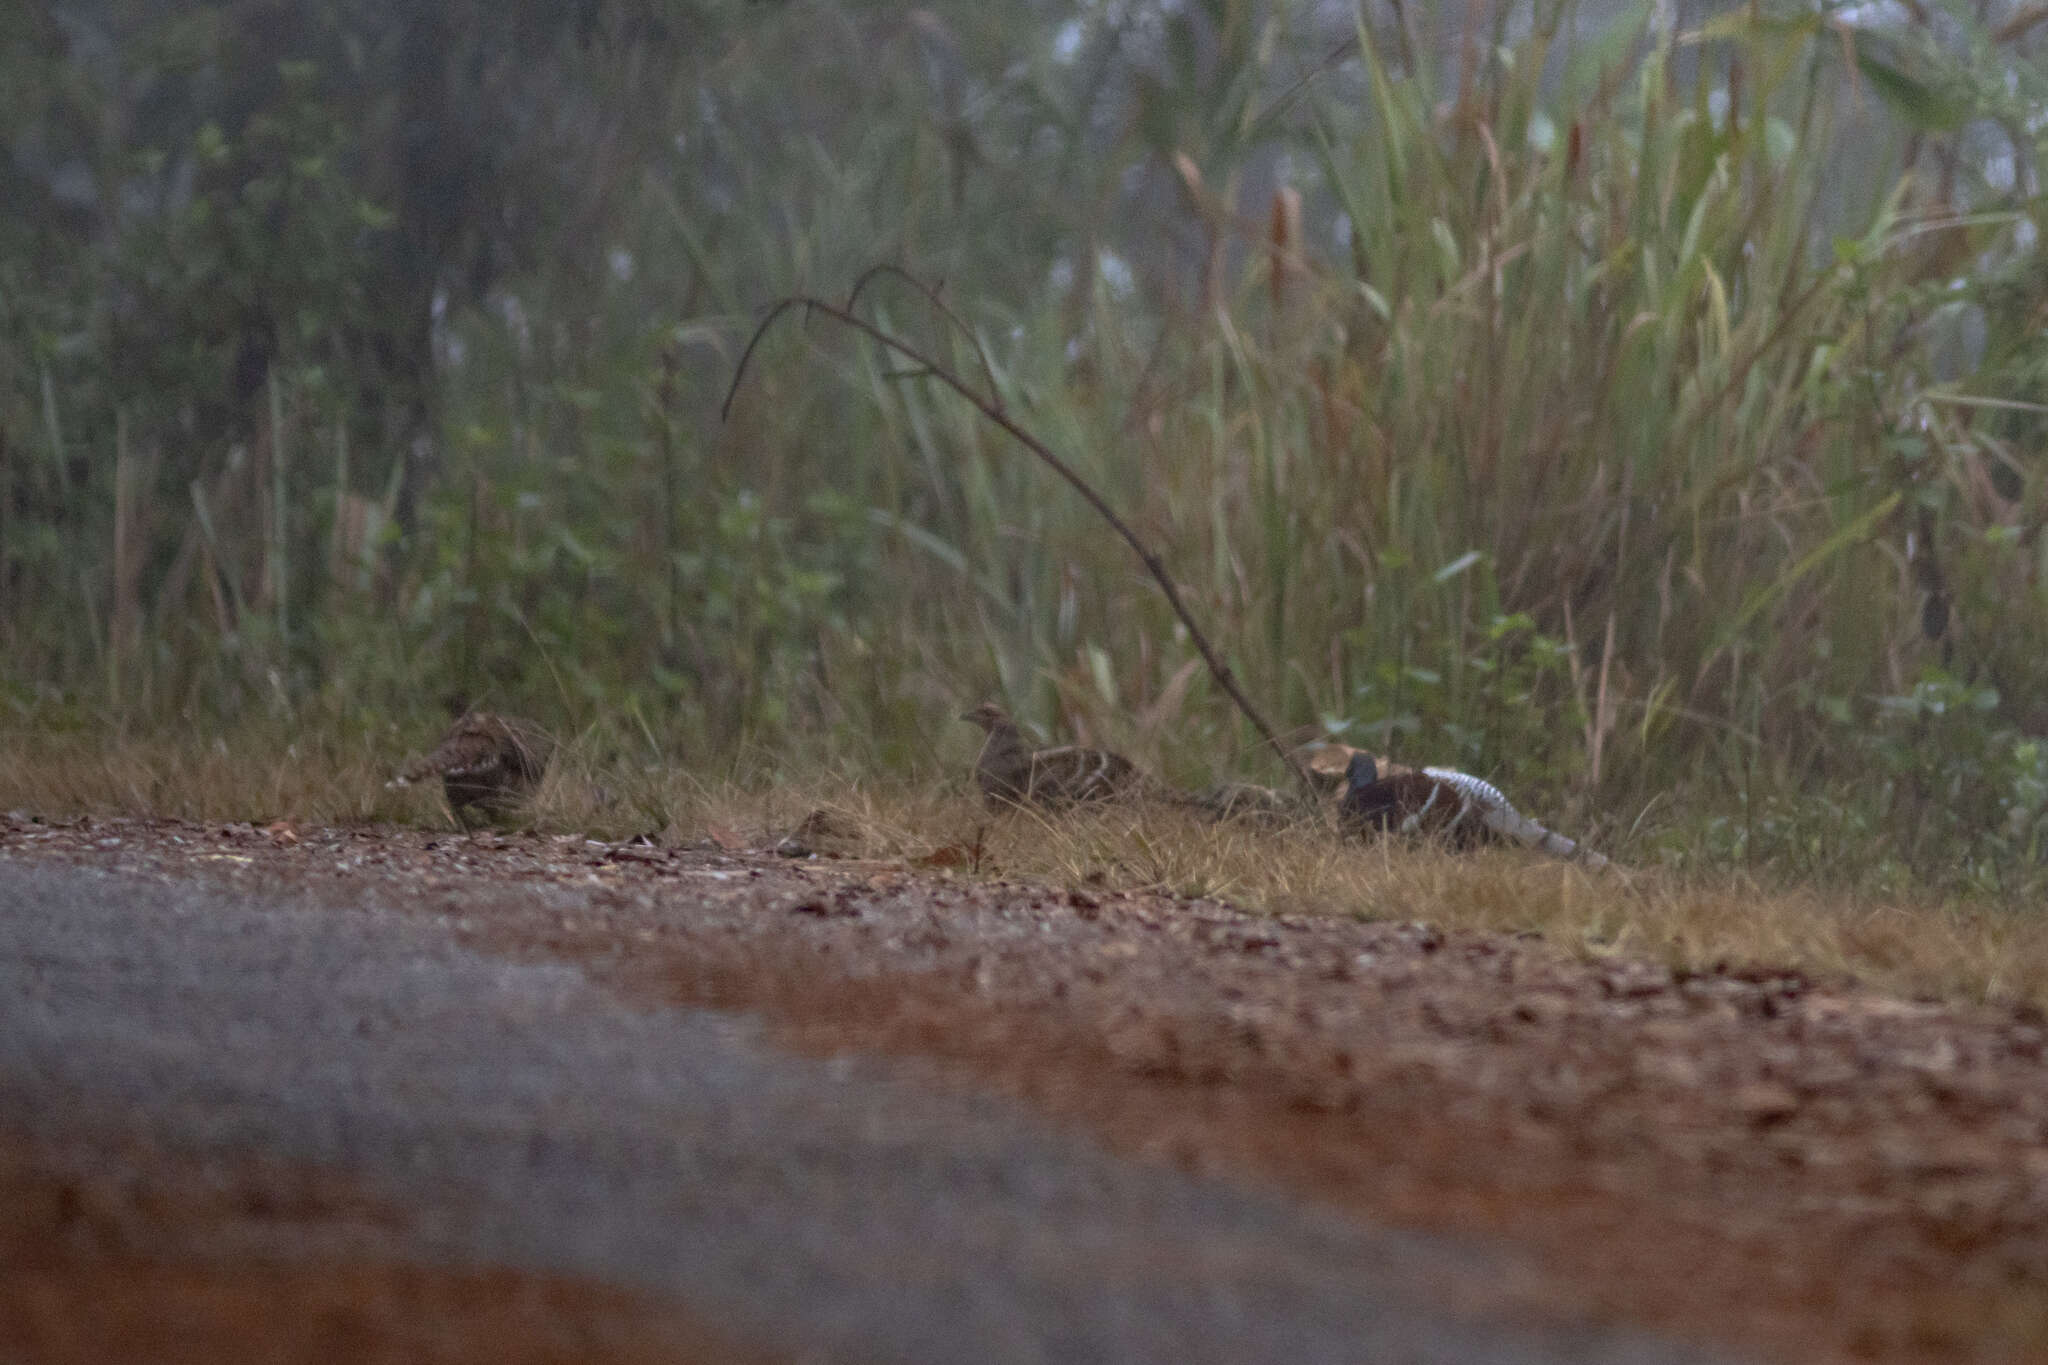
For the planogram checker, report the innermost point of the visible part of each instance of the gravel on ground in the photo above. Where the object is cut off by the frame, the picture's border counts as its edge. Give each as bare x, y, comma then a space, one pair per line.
1590, 1149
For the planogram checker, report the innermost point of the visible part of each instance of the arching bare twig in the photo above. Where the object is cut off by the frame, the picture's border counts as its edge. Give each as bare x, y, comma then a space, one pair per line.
932, 296
739, 371
991, 410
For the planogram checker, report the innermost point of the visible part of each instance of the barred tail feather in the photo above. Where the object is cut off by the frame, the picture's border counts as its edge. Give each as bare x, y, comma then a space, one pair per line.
1499, 815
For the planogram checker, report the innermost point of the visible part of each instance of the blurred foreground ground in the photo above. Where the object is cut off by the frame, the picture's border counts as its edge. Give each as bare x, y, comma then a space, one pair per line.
307, 1093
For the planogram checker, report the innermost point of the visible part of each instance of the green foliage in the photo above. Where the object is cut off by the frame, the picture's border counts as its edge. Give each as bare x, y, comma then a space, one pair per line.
1927, 788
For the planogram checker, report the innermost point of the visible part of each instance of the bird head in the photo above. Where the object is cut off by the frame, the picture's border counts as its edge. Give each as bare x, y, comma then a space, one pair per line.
988, 715
1361, 772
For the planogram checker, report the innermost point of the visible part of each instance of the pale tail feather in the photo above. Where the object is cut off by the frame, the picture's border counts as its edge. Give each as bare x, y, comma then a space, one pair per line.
1498, 814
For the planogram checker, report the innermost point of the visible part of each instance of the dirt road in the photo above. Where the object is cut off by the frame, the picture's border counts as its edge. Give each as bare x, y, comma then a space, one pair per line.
545, 1099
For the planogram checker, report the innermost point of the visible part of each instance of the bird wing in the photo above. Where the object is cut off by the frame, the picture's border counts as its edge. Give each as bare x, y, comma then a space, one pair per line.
1073, 773
466, 754
527, 747
1392, 796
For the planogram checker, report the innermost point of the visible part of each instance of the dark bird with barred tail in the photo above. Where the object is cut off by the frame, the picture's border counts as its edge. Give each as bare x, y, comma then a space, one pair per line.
1445, 804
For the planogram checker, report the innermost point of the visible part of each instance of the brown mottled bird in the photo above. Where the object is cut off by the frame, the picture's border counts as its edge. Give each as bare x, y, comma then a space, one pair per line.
486, 762
823, 832
1442, 803
1010, 772
1327, 762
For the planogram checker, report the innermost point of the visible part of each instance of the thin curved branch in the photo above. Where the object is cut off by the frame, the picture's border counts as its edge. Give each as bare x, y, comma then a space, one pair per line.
1218, 669
932, 296
740, 370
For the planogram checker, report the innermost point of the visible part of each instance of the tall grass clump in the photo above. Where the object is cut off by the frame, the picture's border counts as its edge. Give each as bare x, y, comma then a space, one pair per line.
1620, 362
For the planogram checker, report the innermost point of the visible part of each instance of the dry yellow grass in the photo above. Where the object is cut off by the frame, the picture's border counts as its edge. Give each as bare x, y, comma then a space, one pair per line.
1956, 949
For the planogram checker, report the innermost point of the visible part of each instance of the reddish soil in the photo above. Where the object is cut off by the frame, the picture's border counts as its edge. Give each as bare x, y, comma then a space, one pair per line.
1800, 1169
107, 1258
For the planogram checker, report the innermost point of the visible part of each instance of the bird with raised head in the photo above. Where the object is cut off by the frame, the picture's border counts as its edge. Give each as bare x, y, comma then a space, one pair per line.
487, 764
1441, 803
1010, 772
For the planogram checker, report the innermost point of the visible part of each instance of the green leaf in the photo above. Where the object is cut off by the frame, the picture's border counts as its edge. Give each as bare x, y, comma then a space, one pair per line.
1447, 249
210, 144
1928, 109
1104, 674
